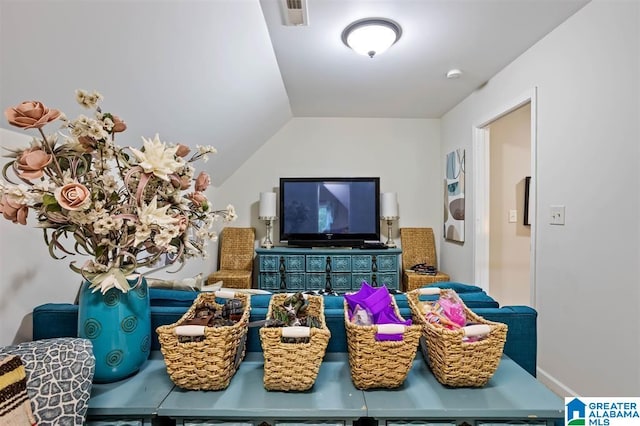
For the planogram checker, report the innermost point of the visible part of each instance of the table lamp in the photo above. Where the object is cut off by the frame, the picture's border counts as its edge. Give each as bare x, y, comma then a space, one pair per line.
267, 213
389, 212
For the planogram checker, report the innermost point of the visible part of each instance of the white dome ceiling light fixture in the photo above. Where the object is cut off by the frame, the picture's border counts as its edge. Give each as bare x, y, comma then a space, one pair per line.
371, 36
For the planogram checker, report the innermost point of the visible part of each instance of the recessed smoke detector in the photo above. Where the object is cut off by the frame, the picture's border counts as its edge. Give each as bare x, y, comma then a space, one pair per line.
454, 73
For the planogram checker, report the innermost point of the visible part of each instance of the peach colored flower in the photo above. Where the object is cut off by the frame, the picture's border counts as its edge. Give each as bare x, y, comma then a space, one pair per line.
198, 198
202, 181
185, 182
182, 182
183, 150
88, 143
30, 115
13, 210
32, 162
118, 124
73, 196
183, 222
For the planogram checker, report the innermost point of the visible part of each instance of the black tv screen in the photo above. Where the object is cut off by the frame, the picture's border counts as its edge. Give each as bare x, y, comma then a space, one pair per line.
329, 211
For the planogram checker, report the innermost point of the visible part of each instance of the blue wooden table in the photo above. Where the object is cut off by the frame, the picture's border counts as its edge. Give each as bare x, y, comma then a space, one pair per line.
135, 399
332, 397
512, 396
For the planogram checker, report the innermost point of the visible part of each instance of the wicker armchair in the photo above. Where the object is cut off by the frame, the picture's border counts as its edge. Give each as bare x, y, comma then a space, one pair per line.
418, 246
236, 258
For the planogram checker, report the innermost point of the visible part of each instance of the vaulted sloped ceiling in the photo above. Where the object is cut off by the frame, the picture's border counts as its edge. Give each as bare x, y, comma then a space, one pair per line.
196, 72
228, 73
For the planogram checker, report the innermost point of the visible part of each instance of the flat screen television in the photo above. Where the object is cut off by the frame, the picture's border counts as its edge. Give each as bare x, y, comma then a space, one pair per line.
325, 211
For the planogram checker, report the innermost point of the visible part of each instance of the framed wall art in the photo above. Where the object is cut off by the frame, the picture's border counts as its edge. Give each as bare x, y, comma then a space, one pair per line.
527, 186
454, 196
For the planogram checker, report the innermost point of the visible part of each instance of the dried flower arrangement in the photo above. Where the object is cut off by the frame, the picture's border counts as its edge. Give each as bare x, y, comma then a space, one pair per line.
126, 208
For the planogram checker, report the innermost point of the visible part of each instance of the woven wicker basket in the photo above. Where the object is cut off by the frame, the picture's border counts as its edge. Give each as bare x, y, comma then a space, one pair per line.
453, 361
419, 246
293, 366
379, 364
211, 363
412, 280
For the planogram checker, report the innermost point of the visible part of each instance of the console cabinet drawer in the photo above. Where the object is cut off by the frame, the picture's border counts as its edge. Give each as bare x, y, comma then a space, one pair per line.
390, 279
268, 263
286, 269
387, 262
316, 281
321, 263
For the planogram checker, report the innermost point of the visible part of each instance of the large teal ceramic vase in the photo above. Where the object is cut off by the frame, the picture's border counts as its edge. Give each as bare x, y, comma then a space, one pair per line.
119, 327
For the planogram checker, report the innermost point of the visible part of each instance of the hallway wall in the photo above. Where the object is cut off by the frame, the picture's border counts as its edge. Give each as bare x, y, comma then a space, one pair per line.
586, 74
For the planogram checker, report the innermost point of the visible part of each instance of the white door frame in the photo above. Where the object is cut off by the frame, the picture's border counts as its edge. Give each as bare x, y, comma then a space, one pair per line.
481, 169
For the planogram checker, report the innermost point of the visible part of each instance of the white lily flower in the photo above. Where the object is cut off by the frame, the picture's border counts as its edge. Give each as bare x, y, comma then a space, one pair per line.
113, 278
151, 214
158, 158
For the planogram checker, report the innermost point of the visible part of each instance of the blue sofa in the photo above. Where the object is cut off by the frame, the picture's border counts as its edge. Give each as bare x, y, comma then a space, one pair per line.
167, 306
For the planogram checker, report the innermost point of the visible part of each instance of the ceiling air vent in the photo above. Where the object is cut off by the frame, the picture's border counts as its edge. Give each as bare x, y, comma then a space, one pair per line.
295, 12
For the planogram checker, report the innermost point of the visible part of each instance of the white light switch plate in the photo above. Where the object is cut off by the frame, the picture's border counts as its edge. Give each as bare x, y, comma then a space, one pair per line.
556, 215
513, 216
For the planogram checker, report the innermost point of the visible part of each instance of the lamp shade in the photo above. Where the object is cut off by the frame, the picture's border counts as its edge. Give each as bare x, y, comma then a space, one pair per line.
267, 204
370, 36
389, 205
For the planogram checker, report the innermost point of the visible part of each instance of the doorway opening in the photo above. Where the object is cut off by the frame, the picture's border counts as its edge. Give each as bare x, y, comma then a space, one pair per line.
504, 249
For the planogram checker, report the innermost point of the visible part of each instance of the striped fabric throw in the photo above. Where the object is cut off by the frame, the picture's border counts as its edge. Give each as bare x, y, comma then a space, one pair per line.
15, 406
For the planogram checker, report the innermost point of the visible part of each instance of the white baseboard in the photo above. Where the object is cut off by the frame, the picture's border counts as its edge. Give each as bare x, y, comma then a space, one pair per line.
555, 385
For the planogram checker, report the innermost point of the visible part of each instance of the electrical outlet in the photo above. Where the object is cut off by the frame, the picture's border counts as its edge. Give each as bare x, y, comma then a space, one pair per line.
556, 215
513, 216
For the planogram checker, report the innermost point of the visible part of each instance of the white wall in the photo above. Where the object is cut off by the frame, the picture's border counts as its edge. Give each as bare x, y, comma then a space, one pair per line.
29, 276
405, 153
587, 272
